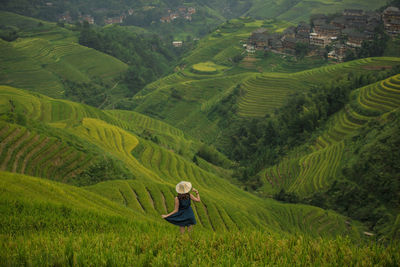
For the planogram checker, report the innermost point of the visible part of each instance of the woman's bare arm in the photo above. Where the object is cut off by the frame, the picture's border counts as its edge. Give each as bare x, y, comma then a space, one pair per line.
195, 198
176, 208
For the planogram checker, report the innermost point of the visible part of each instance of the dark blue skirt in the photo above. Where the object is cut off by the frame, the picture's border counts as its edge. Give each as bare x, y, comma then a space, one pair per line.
184, 216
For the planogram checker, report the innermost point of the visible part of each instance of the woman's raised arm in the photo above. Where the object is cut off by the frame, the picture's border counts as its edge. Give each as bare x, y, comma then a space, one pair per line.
195, 198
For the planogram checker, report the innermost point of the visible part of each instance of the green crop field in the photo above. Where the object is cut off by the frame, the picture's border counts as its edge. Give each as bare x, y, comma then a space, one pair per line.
48, 223
317, 170
45, 56
301, 10
131, 206
156, 168
185, 99
81, 185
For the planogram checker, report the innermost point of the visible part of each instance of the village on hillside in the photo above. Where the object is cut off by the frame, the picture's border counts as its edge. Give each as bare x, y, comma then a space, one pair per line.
182, 12
334, 36
171, 15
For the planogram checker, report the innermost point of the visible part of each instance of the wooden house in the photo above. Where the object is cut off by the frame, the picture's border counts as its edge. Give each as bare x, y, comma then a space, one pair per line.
391, 20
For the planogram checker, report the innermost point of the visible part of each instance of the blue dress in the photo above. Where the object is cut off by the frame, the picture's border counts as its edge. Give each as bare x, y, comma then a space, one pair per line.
184, 216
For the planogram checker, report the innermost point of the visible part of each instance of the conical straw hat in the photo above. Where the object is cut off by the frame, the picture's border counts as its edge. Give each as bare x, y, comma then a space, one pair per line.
183, 187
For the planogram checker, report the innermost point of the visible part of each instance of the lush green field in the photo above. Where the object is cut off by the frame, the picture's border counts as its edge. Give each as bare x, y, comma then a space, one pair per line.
47, 58
89, 134
42, 66
85, 186
185, 99
301, 10
48, 223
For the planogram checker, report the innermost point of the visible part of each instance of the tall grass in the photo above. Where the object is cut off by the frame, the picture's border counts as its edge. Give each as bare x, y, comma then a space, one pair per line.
154, 247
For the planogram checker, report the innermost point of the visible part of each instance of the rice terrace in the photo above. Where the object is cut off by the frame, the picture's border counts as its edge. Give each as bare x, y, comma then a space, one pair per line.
200, 133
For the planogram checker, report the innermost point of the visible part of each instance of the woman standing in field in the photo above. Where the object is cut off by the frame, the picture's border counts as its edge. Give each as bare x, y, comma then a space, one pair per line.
183, 215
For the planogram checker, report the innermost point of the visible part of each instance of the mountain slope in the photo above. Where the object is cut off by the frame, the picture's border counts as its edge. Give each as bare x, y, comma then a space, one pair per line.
48, 223
299, 10
87, 135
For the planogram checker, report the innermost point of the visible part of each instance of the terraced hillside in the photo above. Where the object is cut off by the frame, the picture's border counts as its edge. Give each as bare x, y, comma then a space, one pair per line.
315, 171
90, 133
187, 100
44, 222
46, 56
301, 10
42, 66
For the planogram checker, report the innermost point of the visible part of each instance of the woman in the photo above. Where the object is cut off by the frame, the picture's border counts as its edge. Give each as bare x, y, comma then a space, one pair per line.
183, 215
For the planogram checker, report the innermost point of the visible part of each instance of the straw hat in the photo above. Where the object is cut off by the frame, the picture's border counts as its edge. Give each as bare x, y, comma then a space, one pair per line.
183, 187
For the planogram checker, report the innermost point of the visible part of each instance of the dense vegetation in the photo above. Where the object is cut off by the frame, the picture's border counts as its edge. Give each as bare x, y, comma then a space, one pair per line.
259, 142
368, 189
148, 57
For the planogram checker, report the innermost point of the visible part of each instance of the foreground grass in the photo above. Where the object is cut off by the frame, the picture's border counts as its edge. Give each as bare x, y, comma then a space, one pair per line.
158, 248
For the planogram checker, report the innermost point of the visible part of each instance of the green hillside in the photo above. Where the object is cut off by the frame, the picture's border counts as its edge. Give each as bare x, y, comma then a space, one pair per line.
315, 171
46, 57
296, 159
38, 139
301, 10
90, 135
192, 98
48, 223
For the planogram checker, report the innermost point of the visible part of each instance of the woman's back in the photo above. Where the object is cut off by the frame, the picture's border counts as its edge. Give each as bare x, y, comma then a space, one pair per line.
184, 204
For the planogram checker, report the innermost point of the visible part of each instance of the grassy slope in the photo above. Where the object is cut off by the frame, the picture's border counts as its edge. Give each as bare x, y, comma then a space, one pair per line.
184, 99
156, 168
45, 55
301, 10
48, 223
316, 170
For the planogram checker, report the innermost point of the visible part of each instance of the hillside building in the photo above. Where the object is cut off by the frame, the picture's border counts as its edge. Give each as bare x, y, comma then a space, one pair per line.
355, 38
114, 20
303, 27
191, 10
290, 32
391, 20
88, 18
327, 31
289, 43
166, 19
339, 22
353, 12
303, 37
177, 43
66, 17
318, 40
258, 39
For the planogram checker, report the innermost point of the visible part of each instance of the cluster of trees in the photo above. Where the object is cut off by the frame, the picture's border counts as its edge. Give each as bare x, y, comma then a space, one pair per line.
8, 33
373, 48
89, 93
106, 168
148, 56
